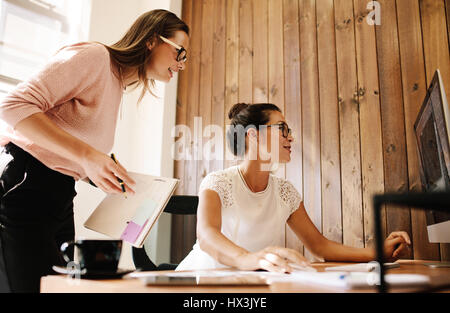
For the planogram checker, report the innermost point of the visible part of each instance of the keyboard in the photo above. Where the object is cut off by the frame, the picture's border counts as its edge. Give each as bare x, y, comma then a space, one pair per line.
359, 267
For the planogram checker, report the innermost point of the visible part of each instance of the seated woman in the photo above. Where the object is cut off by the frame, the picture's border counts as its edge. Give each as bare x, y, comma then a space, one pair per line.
243, 209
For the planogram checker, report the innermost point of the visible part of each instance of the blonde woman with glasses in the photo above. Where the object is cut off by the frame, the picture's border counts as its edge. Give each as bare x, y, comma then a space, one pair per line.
61, 128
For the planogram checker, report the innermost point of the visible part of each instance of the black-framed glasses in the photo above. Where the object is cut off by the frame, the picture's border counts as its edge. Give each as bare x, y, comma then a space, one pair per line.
286, 131
182, 53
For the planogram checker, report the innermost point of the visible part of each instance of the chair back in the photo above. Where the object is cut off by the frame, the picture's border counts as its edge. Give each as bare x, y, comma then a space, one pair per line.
178, 204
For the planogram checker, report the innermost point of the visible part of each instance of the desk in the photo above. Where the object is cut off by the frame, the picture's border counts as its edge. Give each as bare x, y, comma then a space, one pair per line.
60, 283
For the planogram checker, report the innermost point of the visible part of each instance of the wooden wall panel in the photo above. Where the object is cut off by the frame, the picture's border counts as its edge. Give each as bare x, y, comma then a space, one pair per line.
260, 51
246, 51
436, 50
312, 193
205, 96
232, 67
447, 9
177, 251
369, 118
435, 43
352, 214
180, 118
275, 55
275, 67
293, 107
191, 183
218, 77
414, 90
193, 96
329, 122
393, 120
349, 90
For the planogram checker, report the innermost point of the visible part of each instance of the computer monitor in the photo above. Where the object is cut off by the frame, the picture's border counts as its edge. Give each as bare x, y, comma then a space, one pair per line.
432, 130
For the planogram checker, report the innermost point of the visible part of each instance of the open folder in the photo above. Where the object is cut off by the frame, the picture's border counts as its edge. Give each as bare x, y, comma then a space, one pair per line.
131, 218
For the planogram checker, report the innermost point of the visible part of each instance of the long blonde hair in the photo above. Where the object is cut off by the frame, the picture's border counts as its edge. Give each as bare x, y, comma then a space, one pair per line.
131, 51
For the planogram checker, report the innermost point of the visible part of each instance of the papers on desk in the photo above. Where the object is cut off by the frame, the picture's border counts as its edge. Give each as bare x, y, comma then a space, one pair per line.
131, 218
341, 280
353, 280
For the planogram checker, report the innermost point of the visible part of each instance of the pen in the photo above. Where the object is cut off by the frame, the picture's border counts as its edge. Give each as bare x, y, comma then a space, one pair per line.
118, 179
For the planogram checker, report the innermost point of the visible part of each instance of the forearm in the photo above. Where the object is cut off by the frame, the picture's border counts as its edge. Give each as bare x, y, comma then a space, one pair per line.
220, 247
333, 251
42, 131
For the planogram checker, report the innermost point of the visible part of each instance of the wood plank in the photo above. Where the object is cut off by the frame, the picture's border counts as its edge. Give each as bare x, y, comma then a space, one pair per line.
414, 91
218, 78
192, 112
352, 212
246, 51
260, 51
329, 123
293, 107
393, 119
232, 68
447, 9
205, 97
177, 224
311, 114
435, 43
436, 53
182, 95
193, 96
369, 119
275, 62
180, 117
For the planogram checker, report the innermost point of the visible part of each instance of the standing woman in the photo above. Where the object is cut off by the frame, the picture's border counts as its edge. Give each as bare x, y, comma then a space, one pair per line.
61, 126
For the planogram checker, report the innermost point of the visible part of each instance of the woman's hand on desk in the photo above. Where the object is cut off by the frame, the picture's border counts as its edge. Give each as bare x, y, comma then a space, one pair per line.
272, 259
104, 172
396, 243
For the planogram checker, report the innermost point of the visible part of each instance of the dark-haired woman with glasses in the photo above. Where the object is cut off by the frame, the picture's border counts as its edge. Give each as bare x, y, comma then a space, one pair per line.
243, 210
61, 128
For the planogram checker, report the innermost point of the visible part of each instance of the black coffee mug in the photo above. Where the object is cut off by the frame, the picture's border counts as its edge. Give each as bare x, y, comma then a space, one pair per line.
95, 255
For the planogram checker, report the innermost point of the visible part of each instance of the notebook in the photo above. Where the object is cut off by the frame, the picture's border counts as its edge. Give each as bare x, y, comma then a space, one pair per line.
131, 218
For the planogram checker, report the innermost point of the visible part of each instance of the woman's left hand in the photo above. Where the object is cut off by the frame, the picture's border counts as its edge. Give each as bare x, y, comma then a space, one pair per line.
396, 243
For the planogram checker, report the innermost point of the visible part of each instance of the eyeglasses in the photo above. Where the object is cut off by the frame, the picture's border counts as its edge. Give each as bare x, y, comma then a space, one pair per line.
181, 56
286, 131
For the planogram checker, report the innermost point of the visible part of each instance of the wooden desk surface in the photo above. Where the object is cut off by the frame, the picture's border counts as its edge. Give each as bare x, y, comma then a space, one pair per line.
63, 284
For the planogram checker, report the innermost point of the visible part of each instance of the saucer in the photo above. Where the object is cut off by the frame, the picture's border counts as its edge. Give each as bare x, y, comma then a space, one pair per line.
91, 274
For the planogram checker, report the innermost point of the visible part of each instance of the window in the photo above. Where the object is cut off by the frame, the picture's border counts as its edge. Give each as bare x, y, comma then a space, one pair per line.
31, 31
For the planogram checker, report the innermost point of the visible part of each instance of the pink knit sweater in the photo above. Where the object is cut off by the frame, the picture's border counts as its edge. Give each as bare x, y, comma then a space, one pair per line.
79, 91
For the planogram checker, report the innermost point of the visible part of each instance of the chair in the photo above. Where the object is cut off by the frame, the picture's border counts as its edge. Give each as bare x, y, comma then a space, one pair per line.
184, 205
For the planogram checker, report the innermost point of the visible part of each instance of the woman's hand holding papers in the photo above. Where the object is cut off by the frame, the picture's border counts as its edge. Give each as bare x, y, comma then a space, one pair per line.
272, 259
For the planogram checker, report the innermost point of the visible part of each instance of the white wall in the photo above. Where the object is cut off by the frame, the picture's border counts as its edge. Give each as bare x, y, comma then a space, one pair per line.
143, 138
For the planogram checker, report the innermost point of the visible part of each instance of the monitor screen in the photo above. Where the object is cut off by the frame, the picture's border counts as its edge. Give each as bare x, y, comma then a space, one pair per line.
435, 172
432, 134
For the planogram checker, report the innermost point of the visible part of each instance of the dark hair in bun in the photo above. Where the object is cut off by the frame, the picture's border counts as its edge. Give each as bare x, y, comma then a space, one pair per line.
238, 107
244, 116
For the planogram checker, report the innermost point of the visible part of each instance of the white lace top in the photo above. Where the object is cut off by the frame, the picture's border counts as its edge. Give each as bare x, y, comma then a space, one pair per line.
252, 220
